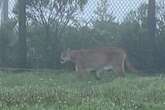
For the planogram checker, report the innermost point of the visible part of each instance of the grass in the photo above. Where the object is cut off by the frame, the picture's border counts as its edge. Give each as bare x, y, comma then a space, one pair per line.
64, 91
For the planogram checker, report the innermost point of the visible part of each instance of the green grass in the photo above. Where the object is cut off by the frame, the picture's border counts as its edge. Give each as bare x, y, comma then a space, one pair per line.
64, 91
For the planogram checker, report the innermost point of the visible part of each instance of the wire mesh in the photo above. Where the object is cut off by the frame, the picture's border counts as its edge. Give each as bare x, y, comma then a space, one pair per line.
119, 8
11, 7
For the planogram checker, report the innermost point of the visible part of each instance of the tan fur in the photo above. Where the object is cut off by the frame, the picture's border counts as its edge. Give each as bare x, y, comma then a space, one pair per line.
97, 59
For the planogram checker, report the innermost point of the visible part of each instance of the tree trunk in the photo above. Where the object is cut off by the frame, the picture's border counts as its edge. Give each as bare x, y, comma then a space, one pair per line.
4, 12
151, 19
4, 33
22, 46
152, 32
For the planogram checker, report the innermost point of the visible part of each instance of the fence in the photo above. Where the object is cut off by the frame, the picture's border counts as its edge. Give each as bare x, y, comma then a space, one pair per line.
60, 15
119, 8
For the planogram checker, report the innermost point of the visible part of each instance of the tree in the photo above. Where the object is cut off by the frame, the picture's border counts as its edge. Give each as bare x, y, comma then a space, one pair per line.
133, 36
103, 13
3, 32
4, 12
105, 25
22, 44
139, 16
52, 16
137, 39
152, 30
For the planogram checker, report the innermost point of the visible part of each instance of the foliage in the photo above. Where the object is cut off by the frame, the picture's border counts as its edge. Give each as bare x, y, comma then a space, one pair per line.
105, 25
8, 38
102, 12
52, 27
134, 37
50, 18
103, 31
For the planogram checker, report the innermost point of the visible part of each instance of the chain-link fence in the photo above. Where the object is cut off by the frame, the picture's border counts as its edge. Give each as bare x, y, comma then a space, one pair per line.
11, 3
119, 8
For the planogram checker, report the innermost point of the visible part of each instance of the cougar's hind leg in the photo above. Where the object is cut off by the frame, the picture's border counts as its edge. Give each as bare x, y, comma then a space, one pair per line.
76, 68
119, 70
80, 71
123, 66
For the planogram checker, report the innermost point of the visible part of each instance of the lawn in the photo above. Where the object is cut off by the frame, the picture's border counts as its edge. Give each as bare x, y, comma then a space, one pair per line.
59, 90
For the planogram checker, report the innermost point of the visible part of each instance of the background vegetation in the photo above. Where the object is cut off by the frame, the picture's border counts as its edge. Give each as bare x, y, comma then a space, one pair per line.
52, 27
